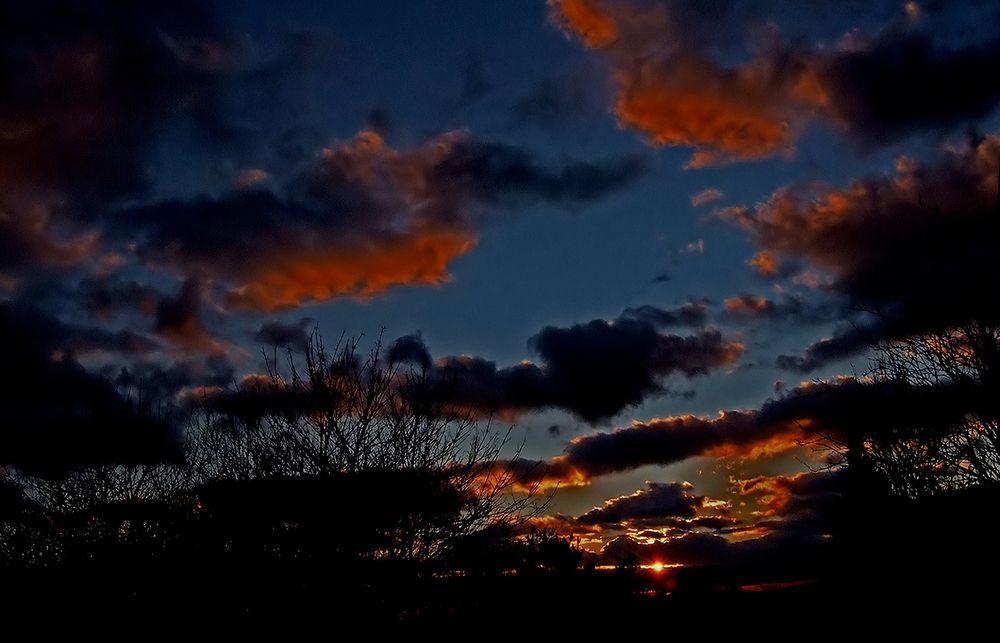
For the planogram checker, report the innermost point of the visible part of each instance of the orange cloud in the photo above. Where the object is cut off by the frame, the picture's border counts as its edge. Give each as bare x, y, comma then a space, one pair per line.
782, 495
706, 196
249, 178
582, 17
548, 475
561, 525
421, 257
764, 262
679, 96
715, 117
364, 217
747, 304
789, 437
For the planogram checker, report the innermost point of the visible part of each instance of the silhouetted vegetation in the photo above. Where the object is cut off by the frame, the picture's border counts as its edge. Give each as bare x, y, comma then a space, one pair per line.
345, 477
929, 409
918, 441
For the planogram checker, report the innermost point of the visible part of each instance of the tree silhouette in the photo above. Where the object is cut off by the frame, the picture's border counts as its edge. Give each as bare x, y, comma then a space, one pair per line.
348, 475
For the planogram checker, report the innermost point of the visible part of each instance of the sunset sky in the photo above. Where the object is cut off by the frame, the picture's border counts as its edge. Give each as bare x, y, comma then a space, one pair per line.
651, 234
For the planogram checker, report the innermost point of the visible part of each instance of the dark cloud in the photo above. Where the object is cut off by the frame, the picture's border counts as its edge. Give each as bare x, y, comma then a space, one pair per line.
87, 85
69, 339
878, 410
364, 218
809, 500
167, 384
790, 307
917, 248
293, 335
105, 297
693, 313
667, 440
714, 523
658, 501
179, 318
661, 278
56, 415
410, 349
592, 370
832, 409
905, 82
848, 339
498, 172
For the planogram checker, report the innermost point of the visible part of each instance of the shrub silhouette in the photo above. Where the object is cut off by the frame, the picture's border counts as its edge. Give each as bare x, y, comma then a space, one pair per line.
344, 477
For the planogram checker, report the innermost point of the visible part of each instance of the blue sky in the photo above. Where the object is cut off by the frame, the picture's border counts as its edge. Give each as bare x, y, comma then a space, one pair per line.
258, 90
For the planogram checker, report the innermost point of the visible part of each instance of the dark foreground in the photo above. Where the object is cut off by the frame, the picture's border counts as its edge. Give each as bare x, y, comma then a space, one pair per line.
899, 566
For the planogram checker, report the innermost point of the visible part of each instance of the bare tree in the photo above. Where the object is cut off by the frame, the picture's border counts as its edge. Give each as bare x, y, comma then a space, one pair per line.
344, 414
941, 431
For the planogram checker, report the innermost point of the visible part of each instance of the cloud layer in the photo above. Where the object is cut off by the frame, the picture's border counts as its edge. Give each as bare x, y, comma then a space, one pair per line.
593, 370
916, 247
681, 81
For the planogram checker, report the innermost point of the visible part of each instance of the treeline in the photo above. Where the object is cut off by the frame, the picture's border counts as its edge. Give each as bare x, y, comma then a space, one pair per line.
345, 480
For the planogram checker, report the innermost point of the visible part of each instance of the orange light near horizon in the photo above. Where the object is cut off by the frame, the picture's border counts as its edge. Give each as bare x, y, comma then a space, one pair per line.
658, 567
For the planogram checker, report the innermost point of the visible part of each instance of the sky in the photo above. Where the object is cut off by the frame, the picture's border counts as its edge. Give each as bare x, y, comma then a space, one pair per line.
658, 237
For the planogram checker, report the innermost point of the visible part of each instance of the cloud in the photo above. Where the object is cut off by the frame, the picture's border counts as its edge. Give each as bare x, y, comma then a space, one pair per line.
793, 307
706, 196
410, 349
782, 423
169, 384
906, 82
56, 414
697, 247
587, 20
105, 296
848, 339
727, 82
828, 412
694, 314
592, 370
366, 217
657, 501
66, 339
495, 172
776, 556
179, 318
915, 246
796, 515
293, 335
668, 440
671, 89
77, 76
794, 498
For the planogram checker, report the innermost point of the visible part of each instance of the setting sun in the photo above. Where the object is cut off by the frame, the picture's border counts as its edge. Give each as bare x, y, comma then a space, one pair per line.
657, 567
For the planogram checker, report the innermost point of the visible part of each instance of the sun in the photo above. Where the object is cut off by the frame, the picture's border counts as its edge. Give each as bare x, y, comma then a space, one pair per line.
657, 567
